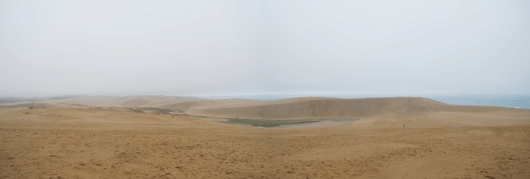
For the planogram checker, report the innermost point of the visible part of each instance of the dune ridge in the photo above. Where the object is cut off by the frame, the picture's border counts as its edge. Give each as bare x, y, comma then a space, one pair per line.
95, 138
336, 107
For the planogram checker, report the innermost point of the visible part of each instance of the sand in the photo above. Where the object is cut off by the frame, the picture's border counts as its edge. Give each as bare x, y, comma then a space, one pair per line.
63, 140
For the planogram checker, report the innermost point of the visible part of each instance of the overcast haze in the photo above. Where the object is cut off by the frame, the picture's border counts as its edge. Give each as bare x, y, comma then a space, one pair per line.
187, 48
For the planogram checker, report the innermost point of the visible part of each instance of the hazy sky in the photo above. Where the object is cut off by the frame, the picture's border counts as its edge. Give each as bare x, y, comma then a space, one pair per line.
229, 47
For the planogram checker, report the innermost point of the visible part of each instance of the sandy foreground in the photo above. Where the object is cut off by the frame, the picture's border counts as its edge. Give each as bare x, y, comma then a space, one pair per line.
85, 141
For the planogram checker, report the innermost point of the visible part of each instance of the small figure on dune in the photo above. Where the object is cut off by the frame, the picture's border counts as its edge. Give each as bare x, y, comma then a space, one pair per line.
403, 125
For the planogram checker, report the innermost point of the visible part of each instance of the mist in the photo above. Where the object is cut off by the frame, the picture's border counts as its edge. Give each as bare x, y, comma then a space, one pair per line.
200, 48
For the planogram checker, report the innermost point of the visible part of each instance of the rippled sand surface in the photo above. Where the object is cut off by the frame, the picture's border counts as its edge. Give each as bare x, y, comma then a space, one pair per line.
115, 142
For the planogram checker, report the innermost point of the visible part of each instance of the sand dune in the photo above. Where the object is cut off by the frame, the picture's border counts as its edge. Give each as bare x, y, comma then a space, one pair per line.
375, 111
87, 138
366, 107
185, 106
172, 103
129, 101
411, 111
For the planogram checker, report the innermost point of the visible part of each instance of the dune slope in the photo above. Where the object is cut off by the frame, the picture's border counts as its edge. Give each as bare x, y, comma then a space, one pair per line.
115, 142
333, 107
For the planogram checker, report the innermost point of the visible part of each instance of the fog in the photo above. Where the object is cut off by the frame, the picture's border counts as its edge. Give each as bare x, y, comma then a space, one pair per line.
201, 48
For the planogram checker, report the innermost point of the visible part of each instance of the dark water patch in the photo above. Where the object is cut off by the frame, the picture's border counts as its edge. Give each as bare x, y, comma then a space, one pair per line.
280, 122
274, 122
269, 122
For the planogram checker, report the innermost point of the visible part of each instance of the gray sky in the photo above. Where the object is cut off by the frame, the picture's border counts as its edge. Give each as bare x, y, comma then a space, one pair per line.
247, 47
